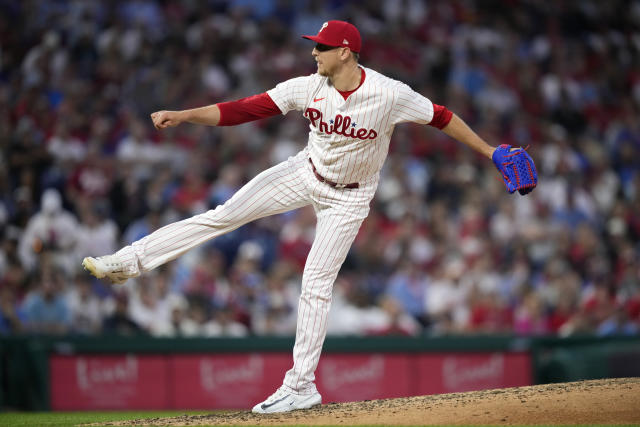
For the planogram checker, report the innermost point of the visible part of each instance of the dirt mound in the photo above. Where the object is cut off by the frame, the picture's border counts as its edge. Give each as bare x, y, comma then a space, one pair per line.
610, 401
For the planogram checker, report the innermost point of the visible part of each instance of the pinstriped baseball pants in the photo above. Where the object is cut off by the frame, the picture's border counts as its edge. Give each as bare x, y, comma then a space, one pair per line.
286, 186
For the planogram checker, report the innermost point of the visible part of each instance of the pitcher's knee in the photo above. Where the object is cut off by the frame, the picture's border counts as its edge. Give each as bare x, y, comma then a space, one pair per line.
317, 292
325, 273
218, 218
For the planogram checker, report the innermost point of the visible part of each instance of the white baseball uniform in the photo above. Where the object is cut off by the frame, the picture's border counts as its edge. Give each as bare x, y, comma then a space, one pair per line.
348, 143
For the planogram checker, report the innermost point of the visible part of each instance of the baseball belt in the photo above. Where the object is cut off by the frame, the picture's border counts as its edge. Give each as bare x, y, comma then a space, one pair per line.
331, 183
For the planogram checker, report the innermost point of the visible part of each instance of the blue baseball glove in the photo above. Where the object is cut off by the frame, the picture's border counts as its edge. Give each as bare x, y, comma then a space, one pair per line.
517, 169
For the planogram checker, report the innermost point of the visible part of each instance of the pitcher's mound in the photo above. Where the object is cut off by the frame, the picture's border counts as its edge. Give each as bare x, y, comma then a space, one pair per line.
609, 401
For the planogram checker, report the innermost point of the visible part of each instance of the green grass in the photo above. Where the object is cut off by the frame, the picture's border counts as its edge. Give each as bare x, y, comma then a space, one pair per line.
67, 419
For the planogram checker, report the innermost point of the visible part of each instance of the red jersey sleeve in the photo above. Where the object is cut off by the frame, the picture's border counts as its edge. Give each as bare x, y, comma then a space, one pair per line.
441, 116
247, 110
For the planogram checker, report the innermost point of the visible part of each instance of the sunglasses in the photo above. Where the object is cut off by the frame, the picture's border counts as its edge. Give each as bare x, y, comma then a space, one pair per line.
323, 47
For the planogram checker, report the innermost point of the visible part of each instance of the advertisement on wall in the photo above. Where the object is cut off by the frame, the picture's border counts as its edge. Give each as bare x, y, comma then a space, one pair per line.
226, 381
108, 382
355, 377
239, 381
455, 372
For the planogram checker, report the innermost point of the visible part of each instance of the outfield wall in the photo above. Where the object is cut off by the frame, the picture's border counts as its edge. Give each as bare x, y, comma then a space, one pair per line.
85, 373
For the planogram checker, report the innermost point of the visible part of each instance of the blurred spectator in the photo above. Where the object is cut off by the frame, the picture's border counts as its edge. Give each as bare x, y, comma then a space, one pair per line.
399, 322
12, 318
45, 308
143, 226
352, 312
445, 300
191, 197
408, 287
227, 184
84, 306
119, 321
198, 321
224, 325
66, 149
52, 230
97, 233
296, 236
276, 304
138, 153
171, 304
529, 318
177, 308
618, 323
489, 314
145, 307
9, 249
90, 179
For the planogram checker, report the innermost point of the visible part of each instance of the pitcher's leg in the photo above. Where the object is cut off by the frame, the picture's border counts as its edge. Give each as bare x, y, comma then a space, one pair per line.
335, 232
276, 190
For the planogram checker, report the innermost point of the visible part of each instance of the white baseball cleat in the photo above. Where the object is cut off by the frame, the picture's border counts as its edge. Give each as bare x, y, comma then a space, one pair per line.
108, 266
283, 401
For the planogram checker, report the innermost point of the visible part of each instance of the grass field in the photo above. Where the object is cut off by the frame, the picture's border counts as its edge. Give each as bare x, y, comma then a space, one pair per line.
65, 419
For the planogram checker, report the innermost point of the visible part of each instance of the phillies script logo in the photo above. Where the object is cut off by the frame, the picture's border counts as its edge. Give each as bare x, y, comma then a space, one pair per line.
460, 374
215, 375
336, 375
340, 125
95, 373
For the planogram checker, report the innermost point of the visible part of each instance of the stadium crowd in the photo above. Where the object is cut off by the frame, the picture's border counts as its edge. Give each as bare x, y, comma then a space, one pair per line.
445, 249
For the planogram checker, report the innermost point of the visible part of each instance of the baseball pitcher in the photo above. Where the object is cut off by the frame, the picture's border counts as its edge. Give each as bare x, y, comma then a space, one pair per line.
352, 111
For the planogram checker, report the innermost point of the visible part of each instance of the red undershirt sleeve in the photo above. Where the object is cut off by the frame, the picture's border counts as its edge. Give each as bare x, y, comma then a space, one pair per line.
247, 110
441, 116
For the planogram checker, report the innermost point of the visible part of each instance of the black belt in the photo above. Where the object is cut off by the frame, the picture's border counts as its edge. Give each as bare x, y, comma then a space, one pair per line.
331, 183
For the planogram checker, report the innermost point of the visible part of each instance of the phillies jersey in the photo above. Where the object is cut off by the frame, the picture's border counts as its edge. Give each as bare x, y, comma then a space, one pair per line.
349, 139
